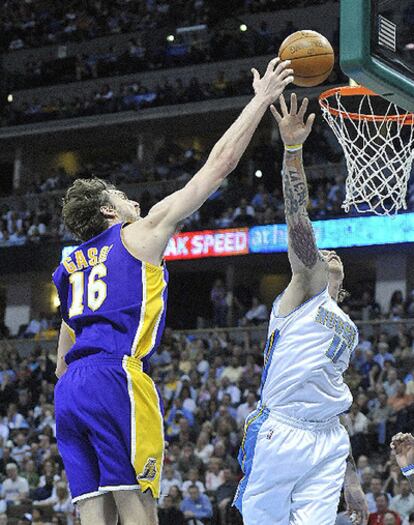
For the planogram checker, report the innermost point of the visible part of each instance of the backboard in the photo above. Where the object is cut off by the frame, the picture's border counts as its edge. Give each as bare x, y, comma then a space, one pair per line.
377, 47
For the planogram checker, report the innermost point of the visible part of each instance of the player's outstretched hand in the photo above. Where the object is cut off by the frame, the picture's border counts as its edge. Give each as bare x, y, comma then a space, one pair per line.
403, 445
278, 75
293, 128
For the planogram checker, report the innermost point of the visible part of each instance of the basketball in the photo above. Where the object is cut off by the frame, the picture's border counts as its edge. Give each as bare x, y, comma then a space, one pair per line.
312, 57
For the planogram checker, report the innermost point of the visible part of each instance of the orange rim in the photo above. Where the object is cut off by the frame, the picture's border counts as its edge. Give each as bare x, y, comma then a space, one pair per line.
350, 91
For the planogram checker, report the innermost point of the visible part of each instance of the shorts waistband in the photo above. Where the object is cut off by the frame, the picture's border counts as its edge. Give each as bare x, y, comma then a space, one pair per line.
306, 424
93, 360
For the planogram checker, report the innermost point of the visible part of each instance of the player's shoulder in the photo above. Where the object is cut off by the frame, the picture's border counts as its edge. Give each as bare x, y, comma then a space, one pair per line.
301, 305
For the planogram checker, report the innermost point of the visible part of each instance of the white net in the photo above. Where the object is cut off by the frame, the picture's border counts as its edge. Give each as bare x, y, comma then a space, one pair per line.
378, 151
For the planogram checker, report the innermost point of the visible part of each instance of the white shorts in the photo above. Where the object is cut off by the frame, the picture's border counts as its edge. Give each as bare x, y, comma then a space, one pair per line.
293, 470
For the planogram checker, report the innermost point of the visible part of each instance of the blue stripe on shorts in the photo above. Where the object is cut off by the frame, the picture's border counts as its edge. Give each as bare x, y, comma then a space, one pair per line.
251, 430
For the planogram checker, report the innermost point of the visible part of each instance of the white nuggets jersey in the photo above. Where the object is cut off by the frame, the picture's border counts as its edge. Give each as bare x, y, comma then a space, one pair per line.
306, 354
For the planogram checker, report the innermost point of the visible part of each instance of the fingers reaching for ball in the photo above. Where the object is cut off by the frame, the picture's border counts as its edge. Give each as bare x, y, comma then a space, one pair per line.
293, 125
277, 76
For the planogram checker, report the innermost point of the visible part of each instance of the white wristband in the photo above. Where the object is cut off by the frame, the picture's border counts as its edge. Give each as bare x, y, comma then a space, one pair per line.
408, 470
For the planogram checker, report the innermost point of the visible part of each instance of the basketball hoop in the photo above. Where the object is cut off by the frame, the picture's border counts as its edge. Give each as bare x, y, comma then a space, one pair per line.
377, 138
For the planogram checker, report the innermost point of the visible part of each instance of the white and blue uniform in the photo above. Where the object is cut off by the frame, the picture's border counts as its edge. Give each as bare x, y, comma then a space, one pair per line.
294, 449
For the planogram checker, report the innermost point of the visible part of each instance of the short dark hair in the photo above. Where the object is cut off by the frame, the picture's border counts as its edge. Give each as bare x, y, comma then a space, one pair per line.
81, 207
383, 495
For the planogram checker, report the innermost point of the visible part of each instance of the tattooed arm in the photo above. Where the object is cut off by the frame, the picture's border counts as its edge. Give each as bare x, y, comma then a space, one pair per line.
309, 270
303, 253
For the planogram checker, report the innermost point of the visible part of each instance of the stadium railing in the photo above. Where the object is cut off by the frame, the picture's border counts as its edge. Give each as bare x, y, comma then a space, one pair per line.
249, 334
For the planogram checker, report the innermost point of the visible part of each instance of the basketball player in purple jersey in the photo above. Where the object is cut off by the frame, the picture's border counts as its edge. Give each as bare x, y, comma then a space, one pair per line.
113, 293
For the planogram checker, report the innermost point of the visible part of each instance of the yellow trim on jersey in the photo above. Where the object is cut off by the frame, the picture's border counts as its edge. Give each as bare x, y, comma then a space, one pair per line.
147, 432
152, 308
70, 331
246, 429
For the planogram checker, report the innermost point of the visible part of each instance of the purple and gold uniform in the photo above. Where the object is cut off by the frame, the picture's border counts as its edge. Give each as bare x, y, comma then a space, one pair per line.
108, 411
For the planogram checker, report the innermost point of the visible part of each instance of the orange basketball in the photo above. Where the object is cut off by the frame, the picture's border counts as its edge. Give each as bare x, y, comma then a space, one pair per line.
312, 57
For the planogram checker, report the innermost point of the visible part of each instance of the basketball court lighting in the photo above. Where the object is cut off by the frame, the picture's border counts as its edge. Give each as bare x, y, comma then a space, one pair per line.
243, 28
258, 174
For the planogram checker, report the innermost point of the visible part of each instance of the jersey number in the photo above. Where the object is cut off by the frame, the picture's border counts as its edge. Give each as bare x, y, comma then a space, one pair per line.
96, 290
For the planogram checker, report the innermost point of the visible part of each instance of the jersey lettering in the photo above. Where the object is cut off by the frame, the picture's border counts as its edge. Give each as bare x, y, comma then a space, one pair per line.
345, 333
96, 290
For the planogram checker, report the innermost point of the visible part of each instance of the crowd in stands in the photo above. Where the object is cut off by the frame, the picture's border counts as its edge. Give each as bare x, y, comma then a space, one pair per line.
151, 52
250, 196
209, 384
36, 23
130, 97
133, 96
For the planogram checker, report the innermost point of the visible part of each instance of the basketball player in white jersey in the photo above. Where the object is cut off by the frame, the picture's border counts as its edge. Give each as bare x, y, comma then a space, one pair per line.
295, 454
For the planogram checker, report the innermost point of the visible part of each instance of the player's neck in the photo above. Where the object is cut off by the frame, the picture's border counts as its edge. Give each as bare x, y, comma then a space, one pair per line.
333, 289
112, 222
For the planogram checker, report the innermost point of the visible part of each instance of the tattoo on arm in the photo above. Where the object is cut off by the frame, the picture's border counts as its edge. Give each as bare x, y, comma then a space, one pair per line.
303, 242
295, 191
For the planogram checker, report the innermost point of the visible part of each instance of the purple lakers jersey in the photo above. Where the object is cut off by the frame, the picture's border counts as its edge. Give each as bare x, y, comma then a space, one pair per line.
113, 304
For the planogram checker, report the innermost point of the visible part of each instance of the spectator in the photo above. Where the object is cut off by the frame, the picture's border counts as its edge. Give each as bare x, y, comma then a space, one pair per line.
383, 354
233, 373
220, 85
375, 490
390, 519
33, 328
15, 489
380, 416
168, 514
63, 504
243, 214
230, 388
203, 449
14, 419
378, 517
196, 506
218, 297
400, 400
176, 495
193, 479
225, 494
261, 198
21, 450
188, 459
257, 314
169, 479
397, 300
391, 384
29, 472
403, 503
214, 475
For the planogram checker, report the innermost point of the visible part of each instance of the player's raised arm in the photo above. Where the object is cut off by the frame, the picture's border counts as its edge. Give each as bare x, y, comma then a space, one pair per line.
309, 269
226, 154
